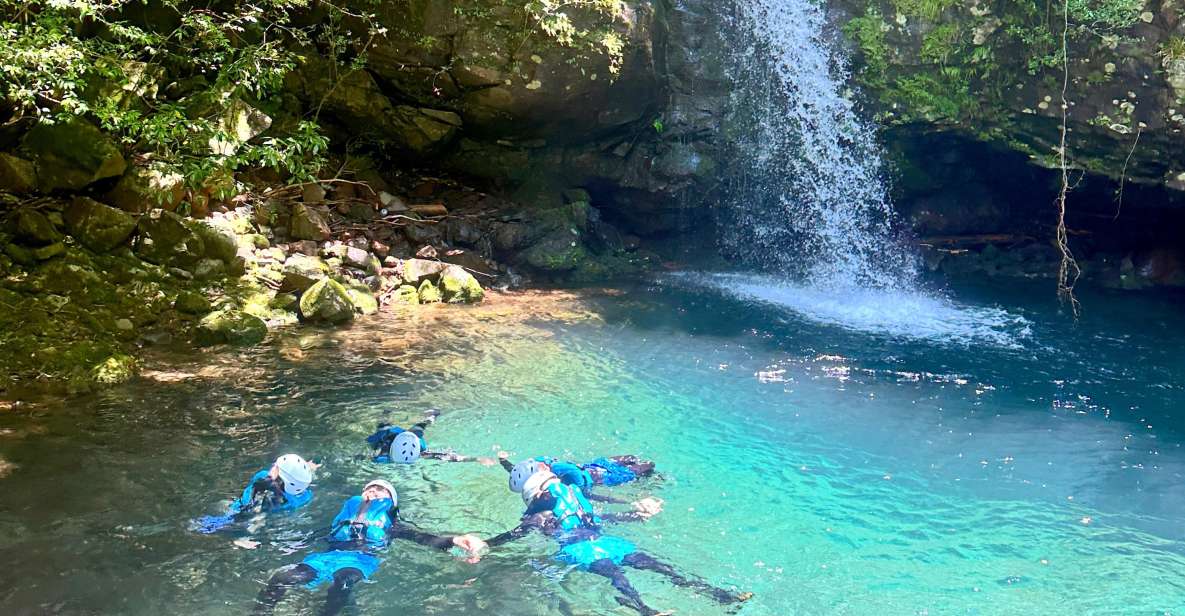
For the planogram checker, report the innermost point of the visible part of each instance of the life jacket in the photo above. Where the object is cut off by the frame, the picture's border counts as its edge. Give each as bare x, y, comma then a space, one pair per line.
371, 527
571, 474
571, 509
272, 500
383, 437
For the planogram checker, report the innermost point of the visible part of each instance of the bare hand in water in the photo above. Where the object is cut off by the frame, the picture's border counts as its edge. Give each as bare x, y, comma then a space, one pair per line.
472, 544
648, 507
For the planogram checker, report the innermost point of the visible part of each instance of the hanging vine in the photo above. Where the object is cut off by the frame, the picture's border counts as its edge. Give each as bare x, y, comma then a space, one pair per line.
1068, 270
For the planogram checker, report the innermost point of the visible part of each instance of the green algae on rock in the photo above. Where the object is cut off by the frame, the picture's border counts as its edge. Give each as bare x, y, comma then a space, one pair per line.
118, 368
230, 326
326, 302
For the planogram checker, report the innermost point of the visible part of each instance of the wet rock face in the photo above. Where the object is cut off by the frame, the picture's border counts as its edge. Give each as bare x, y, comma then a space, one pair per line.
993, 72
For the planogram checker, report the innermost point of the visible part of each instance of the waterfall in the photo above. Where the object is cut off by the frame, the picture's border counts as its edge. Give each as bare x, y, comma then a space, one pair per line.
809, 199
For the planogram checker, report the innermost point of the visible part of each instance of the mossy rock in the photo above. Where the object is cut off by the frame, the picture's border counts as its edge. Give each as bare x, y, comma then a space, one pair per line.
97, 226
459, 286
71, 155
406, 294
302, 271
363, 300
191, 303
116, 369
429, 293
34, 228
167, 239
327, 301
284, 301
218, 242
558, 252
230, 326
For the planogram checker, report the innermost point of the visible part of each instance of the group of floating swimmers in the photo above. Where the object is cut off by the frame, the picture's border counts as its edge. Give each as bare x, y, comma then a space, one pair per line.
556, 494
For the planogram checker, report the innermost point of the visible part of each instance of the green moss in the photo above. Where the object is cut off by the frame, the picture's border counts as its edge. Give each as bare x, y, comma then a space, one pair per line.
1172, 50
928, 10
116, 369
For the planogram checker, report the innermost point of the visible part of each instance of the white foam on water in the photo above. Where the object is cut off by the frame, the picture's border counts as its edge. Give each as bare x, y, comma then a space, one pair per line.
895, 313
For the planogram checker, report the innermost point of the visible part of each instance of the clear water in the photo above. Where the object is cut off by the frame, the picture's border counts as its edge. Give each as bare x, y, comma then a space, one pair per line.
809, 198
1011, 462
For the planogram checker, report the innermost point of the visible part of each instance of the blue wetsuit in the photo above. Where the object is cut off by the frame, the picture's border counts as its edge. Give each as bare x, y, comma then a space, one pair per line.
564, 514
261, 493
359, 530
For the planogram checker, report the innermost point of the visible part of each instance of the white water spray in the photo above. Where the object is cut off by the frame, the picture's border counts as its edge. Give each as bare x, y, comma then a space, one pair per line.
811, 199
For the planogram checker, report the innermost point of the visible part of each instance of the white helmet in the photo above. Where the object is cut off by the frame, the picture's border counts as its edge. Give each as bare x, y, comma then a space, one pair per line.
521, 472
405, 448
295, 472
386, 485
534, 483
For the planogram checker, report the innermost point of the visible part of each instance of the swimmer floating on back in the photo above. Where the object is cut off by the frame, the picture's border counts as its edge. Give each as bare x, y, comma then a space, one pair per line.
366, 523
561, 511
282, 487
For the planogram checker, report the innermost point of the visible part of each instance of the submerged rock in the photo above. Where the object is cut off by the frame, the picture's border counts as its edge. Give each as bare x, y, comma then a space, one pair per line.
326, 301
230, 326
97, 226
71, 155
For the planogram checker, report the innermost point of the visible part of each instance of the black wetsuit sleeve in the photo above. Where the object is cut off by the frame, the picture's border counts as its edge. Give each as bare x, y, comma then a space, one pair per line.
517, 532
446, 456
506, 464
625, 516
403, 531
605, 499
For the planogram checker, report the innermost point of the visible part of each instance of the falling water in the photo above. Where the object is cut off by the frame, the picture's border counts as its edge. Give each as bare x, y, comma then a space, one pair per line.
810, 199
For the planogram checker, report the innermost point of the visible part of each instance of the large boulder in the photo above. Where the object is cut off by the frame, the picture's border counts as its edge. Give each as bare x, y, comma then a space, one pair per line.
17, 175
301, 271
34, 228
327, 301
459, 286
414, 271
306, 224
145, 187
71, 155
362, 107
561, 251
218, 241
166, 239
363, 300
230, 326
97, 226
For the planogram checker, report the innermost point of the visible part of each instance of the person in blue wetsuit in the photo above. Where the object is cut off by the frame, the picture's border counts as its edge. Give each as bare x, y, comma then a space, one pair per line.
282, 487
561, 511
611, 471
365, 524
390, 443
